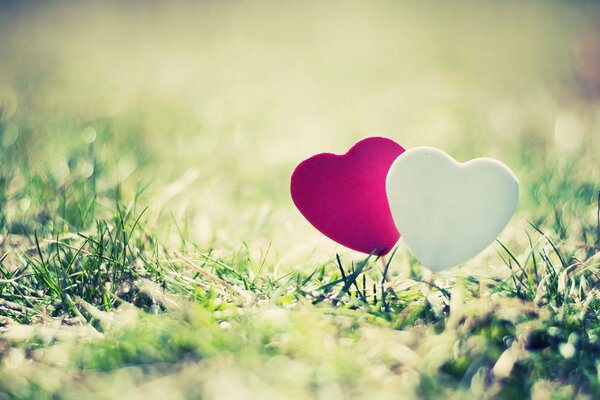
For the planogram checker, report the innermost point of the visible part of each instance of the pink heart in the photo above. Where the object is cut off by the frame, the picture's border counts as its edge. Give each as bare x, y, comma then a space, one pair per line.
344, 196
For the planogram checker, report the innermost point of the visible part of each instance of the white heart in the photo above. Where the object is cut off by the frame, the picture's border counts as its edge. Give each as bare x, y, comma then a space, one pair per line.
448, 212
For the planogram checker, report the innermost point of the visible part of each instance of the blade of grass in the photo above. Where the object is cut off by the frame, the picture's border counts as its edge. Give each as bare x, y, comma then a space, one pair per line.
360, 293
560, 257
352, 279
385, 278
247, 296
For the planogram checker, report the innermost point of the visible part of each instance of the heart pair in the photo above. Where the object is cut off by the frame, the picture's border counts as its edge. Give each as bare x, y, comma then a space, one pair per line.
447, 212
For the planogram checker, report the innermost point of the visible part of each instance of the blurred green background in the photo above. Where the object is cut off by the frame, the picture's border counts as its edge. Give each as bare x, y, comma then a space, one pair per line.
210, 105
201, 110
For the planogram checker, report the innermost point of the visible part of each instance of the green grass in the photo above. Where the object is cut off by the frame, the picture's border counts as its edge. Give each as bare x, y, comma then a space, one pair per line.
148, 245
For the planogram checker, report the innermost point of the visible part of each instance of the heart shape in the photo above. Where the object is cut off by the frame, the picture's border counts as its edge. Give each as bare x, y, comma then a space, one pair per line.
344, 196
449, 212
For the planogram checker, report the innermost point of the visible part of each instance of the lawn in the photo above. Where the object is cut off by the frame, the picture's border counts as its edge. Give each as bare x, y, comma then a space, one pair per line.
149, 247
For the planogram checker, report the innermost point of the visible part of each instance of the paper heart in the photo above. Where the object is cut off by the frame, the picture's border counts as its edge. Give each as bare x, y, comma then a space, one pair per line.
448, 212
344, 197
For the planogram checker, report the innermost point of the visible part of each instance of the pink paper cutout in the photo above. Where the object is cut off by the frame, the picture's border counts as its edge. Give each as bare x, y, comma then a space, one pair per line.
344, 196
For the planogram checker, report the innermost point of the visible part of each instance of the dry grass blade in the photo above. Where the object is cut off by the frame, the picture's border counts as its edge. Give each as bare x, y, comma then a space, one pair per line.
247, 296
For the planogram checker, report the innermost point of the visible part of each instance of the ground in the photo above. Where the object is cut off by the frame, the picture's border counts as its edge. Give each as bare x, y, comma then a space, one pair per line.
149, 246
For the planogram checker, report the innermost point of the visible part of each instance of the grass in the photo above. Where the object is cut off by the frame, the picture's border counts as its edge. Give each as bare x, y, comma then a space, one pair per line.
149, 247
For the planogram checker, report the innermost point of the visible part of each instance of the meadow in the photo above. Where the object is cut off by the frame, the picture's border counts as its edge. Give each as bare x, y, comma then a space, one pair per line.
149, 247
